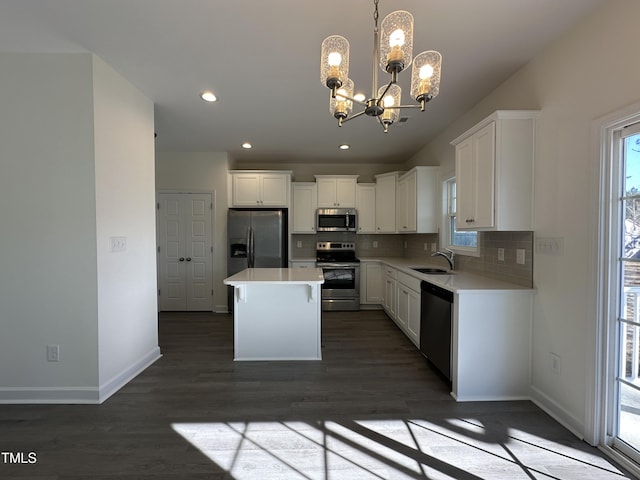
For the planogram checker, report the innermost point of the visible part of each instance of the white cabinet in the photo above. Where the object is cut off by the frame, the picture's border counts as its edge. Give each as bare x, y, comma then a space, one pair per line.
408, 306
491, 324
336, 191
366, 207
386, 202
260, 188
303, 203
494, 326
402, 302
494, 173
417, 201
390, 287
371, 283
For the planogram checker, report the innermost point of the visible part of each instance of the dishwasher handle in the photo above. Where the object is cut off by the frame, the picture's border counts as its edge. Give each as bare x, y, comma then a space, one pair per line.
439, 292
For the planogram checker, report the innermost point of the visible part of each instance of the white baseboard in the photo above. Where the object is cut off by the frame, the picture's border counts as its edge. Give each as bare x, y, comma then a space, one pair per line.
221, 309
48, 395
557, 412
116, 383
77, 395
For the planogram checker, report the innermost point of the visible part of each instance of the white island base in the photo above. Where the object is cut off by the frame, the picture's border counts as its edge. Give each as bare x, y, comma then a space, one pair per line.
277, 314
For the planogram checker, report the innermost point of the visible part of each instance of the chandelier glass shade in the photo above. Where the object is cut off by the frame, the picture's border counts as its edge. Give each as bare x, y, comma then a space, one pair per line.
393, 53
396, 41
340, 105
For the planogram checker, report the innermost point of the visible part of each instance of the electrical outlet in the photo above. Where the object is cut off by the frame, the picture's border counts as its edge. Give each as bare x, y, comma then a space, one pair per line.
554, 363
434, 246
501, 254
299, 244
53, 353
375, 244
520, 256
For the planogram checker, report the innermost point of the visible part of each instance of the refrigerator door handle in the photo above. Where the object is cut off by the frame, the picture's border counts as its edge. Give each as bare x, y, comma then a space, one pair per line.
252, 251
248, 247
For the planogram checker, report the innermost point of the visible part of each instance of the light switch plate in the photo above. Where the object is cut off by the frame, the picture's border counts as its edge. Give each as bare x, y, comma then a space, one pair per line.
520, 256
117, 244
550, 246
501, 254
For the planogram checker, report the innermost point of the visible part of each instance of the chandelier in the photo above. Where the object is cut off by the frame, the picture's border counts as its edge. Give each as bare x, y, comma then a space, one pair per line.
393, 50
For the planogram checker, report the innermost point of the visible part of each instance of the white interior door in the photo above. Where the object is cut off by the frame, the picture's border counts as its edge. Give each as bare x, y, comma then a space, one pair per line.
185, 263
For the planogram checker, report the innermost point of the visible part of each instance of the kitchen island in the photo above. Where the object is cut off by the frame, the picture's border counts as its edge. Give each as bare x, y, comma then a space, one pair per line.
277, 314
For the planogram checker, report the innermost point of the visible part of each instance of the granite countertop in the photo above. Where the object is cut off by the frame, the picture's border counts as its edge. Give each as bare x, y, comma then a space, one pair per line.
276, 276
456, 282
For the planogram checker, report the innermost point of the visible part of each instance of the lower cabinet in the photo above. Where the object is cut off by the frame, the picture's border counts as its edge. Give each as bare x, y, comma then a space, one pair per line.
491, 345
402, 302
389, 299
408, 307
490, 326
371, 283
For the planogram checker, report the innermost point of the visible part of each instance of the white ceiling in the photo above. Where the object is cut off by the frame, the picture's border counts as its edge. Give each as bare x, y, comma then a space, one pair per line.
261, 58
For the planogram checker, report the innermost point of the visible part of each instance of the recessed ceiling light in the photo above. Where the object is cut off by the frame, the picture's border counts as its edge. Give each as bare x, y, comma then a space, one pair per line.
344, 146
247, 145
208, 96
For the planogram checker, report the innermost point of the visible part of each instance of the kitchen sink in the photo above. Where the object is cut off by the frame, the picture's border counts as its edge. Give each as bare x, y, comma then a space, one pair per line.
432, 271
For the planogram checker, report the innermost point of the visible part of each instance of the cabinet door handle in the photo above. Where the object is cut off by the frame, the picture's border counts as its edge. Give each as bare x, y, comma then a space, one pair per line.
188, 259
181, 259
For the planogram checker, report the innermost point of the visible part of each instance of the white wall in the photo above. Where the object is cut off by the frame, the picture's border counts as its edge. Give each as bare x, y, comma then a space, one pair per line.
59, 197
202, 172
590, 72
48, 290
125, 207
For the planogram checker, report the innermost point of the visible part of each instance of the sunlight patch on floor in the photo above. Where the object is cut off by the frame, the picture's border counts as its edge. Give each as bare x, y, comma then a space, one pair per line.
385, 449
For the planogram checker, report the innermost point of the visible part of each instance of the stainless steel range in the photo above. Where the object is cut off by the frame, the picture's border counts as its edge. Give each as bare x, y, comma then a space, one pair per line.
341, 269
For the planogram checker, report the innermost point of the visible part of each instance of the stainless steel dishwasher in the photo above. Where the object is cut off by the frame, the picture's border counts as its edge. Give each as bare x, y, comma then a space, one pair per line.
435, 326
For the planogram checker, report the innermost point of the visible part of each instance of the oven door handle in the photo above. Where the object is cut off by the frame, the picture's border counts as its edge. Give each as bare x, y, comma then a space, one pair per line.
337, 265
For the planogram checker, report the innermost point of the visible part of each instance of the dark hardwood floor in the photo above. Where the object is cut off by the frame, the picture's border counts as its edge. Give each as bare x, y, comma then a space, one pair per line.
371, 409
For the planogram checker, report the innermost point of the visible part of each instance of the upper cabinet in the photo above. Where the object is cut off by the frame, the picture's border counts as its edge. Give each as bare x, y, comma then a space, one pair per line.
366, 207
417, 201
494, 173
259, 188
386, 184
336, 191
303, 203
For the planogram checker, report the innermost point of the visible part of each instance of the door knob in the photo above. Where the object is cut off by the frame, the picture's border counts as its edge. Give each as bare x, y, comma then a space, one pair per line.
181, 259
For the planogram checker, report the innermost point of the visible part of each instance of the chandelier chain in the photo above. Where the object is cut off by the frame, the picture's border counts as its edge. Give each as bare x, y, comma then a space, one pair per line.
375, 14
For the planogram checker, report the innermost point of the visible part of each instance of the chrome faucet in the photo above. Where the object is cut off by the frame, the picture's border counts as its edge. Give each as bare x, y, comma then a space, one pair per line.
448, 255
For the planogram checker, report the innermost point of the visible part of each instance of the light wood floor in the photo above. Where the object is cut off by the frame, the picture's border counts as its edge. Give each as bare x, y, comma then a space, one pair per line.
371, 409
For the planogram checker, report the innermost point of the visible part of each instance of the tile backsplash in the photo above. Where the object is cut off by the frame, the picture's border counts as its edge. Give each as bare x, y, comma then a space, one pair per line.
488, 265
413, 246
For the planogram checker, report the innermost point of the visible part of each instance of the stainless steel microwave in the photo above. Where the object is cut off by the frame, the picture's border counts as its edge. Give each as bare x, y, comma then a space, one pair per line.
336, 220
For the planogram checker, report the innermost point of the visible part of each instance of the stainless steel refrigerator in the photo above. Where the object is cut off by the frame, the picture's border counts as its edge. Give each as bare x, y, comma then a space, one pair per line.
256, 239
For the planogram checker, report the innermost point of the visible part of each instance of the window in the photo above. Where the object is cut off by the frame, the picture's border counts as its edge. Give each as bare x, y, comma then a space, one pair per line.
461, 242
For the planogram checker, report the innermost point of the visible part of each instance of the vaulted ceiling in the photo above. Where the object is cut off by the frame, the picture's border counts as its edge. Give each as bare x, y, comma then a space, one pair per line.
262, 58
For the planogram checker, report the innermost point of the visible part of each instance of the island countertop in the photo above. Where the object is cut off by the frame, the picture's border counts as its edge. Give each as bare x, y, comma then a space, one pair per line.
276, 275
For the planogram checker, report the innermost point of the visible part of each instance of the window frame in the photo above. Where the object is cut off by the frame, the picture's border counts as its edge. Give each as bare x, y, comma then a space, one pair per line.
448, 222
